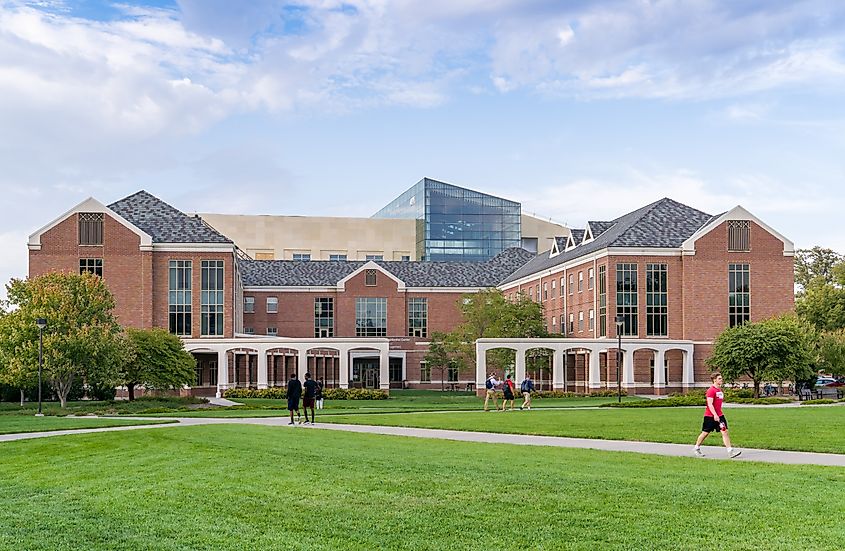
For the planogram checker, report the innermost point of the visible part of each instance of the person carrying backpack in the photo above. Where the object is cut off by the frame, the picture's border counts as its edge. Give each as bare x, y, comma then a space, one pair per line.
491, 385
527, 387
508, 390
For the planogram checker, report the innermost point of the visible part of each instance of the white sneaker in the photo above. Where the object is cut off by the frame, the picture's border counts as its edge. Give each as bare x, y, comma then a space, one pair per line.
734, 453
698, 452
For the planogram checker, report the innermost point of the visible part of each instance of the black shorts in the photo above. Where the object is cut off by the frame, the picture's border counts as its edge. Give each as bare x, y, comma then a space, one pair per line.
293, 404
711, 424
508, 394
308, 402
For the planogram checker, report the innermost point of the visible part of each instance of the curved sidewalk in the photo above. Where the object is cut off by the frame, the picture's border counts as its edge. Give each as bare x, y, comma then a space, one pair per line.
654, 448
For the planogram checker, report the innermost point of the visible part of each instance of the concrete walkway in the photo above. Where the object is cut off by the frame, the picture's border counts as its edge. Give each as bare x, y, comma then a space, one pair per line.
677, 450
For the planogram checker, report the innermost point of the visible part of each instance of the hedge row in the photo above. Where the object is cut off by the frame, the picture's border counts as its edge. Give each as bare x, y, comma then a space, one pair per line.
280, 393
694, 399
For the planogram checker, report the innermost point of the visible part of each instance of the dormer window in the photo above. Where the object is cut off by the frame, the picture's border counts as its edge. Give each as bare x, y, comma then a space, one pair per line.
90, 228
739, 235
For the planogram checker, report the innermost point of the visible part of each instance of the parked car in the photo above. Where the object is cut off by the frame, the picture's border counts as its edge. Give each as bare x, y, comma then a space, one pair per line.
827, 381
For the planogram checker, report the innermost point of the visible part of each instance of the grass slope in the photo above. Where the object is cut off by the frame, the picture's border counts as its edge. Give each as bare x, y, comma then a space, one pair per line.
11, 424
800, 429
237, 487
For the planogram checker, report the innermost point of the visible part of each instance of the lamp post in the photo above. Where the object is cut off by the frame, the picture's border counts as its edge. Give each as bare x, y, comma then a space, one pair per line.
42, 324
620, 322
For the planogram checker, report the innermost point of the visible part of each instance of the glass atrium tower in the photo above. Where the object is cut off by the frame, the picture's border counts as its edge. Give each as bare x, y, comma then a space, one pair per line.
454, 223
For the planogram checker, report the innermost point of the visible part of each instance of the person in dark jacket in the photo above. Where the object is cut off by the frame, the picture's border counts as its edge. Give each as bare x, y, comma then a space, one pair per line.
508, 390
309, 397
294, 394
320, 385
527, 387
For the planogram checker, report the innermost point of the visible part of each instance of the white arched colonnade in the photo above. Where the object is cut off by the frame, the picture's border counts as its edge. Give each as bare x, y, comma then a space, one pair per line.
262, 345
592, 347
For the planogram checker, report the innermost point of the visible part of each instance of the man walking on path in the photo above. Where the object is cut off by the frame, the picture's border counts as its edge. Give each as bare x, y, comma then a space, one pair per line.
527, 387
713, 418
294, 393
491, 385
309, 396
508, 389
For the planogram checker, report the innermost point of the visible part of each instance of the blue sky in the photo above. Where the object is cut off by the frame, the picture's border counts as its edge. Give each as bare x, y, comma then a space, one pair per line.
580, 110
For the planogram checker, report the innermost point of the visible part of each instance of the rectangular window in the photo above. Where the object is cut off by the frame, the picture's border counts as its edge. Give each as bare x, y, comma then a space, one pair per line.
249, 305
739, 294
90, 228
580, 281
561, 286
337, 257
198, 373
538, 292
425, 372
592, 320
417, 317
452, 374
602, 301
656, 300
580, 321
545, 291
531, 293
324, 317
554, 321
554, 281
739, 235
370, 317
626, 297
272, 305
370, 278
91, 265
571, 323
211, 303
406, 258
272, 332
374, 257
212, 373
249, 330
179, 297
302, 257
571, 283
591, 278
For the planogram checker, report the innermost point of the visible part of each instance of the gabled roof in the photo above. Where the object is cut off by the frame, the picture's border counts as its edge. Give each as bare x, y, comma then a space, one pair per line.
165, 223
558, 245
598, 227
575, 238
662, 224
329, 273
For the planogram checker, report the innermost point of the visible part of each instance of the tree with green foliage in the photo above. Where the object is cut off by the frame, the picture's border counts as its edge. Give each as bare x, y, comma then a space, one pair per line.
158, 360
830, 350
822, 305
488, 314
82, 338
776, 349
817, 264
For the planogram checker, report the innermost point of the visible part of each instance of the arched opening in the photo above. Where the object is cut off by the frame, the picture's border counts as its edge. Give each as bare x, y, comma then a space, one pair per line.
674, 360
539, 365
243, 367
324, 365
365, 368
281, 362
644, 366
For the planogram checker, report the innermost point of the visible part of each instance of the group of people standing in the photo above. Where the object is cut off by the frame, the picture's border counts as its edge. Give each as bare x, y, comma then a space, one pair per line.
508, 390
311, 394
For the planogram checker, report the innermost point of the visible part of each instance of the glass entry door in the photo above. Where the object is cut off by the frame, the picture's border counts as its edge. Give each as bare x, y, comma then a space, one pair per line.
366, 372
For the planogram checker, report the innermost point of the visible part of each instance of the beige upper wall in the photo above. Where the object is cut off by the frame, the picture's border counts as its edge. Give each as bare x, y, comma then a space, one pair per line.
320, 236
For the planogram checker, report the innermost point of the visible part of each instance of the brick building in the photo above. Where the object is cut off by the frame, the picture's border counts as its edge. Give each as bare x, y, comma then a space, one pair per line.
676, 275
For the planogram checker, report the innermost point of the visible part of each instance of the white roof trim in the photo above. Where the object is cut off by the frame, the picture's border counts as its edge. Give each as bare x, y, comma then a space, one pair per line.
554, 251
371, 265
90, 205
588, 235
736, 213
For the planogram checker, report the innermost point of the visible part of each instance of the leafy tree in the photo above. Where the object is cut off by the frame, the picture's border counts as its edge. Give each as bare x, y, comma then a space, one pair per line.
817, 264
774, 349
488, 314
822, 305
158, 360
831, 352
82, 338
438, 355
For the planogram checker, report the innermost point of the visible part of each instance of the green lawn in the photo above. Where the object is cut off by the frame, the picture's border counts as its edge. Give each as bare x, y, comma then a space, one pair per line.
817, 429
10, 424
399, 401
241, 487
141, 406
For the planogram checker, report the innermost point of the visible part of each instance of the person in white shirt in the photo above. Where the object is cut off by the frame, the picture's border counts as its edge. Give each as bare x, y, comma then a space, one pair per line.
491, 384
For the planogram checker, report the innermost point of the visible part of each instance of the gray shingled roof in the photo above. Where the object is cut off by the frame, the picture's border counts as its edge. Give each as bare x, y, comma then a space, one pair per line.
578, 236
290, 273
599, 227
662, 224
164, 223
561, 243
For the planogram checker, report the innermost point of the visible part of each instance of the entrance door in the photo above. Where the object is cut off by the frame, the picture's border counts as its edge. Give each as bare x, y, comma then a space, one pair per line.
371, 375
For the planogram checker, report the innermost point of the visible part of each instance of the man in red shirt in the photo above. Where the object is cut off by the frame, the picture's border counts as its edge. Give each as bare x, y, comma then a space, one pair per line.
713, 418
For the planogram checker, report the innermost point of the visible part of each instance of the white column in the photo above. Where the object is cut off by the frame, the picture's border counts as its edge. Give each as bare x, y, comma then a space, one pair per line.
689, 372
520, 366
384, 367
343, 371
222, 372
594, 378
628, 368
262, 368
659, 360
480, 365
557, 370
302, 364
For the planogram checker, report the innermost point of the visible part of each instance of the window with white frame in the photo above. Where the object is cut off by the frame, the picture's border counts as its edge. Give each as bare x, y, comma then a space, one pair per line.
592, 320
370, 278
562, 286
417, 317
179, 296
626, 297
739, 294
591, 278
374, 257
554, 321
571, 283
425, 372
337, 257
272, 305
580, 281
90, 228
602, 301
739, 235
571, 323
370, 317
249, 330
211, 303
272, 331
656, 300
324, 317
302, 257
580, 321
249, 305
545, 291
